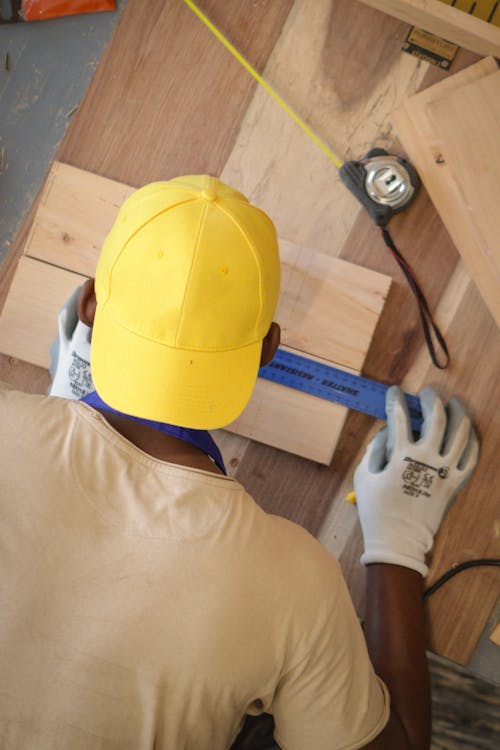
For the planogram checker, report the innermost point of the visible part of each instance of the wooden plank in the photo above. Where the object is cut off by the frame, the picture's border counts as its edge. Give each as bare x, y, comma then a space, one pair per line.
445, 21
28, 324
291, 421
328, 307
425, 150
467, 123
75, 213
77, 209
495, 635
276, 415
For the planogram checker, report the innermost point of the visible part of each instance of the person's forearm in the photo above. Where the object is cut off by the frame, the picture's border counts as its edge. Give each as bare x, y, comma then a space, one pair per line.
395, 635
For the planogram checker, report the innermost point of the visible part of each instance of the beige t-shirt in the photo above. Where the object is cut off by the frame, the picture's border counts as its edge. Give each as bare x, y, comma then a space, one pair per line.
145, 605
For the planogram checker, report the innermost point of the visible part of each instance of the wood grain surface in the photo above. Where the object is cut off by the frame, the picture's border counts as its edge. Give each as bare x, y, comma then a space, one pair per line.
450, 23
167, 100
28, 322
451, 186
467, 122
76, 211
465, 709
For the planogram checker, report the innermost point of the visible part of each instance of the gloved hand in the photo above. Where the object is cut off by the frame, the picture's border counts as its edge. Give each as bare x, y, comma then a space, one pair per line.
70, 354
404, 487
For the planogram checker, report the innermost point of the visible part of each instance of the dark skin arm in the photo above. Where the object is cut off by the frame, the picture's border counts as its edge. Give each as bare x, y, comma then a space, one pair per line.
395, 635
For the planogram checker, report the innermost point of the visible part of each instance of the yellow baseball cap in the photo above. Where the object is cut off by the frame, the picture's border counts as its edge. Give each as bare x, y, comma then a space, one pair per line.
186, 285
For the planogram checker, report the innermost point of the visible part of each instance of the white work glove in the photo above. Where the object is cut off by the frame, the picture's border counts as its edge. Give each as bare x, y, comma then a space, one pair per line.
70, 354
404, 487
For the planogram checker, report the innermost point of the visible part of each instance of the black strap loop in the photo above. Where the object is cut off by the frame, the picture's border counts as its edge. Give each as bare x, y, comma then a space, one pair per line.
428, 324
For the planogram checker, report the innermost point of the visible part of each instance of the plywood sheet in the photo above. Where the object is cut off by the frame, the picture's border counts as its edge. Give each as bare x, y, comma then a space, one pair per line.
344, 99
425, 147
167, 98
328, 308
207, 112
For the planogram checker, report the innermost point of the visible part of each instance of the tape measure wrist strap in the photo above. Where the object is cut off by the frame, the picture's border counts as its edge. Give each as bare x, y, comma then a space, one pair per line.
429, 326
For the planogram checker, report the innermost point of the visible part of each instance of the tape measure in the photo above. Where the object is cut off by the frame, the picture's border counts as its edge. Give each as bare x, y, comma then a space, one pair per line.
383, 184
327, 382
487, 10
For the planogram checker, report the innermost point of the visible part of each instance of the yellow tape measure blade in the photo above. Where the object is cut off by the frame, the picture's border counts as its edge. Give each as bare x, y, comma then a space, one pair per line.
250, 69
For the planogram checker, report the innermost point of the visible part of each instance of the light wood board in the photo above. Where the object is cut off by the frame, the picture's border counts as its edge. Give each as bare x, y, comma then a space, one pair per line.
275, 164
28, 323
75, 213
450, 186
495, 634
450, 23
467, 123
328, 308
191, 108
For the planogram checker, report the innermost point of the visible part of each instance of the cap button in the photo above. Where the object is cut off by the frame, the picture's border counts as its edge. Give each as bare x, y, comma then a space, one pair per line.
209, 194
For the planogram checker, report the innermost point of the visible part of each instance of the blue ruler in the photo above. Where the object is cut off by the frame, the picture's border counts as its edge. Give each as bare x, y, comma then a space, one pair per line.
330, 383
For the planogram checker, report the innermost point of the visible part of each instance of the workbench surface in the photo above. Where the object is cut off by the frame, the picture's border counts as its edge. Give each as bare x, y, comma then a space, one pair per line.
167, 99
50, 67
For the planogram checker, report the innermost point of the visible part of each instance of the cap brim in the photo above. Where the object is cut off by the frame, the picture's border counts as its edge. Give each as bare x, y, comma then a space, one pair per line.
201, 390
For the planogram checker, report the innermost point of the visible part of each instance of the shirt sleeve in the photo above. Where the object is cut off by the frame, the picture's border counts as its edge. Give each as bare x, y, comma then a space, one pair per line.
331, 699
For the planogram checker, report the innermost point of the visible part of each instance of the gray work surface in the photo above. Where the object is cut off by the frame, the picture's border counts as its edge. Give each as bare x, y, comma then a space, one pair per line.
51, 64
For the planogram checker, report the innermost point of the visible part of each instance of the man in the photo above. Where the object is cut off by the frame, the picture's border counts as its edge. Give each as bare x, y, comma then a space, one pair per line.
147, 601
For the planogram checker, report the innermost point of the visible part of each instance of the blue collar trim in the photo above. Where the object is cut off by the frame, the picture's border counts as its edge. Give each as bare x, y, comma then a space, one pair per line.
201, 439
